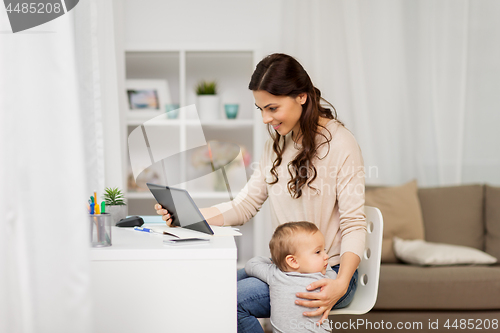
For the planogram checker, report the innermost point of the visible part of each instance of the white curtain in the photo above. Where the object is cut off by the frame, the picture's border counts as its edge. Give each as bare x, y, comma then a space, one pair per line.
51, 160
417, 82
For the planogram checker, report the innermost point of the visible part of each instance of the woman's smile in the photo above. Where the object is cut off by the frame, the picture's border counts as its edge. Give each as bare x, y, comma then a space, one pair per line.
280, 112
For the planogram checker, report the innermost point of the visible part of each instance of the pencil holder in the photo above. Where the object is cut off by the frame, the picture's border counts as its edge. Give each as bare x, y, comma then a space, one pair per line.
100, 230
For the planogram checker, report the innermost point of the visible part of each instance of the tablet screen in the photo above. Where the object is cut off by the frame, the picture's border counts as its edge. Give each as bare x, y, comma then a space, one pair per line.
184, 208
181, 207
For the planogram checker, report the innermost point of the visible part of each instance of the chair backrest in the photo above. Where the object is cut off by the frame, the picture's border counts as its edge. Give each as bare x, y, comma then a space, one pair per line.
369, 268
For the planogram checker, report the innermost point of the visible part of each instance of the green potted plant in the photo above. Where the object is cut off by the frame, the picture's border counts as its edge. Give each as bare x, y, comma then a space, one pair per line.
207, 100
115, 204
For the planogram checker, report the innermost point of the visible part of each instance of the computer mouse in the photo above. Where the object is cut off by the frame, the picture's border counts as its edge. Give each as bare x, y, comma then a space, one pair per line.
130, 222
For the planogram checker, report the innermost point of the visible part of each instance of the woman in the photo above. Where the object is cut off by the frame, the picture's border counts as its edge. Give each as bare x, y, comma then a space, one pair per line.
311, 170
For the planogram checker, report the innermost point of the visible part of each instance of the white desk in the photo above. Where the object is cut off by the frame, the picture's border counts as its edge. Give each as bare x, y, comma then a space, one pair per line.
141, 285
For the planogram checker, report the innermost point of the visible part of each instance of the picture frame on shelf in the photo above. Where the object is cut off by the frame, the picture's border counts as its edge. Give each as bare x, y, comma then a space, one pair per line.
146, 98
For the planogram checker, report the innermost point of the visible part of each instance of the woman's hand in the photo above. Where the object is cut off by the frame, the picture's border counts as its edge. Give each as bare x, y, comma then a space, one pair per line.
165, 214
330, 292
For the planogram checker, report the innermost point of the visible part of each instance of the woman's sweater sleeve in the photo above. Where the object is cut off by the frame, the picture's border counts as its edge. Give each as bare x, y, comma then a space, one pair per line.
351, 197
250, 199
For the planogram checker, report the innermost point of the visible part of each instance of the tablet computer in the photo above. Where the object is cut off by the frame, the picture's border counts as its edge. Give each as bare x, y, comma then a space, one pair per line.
181, 207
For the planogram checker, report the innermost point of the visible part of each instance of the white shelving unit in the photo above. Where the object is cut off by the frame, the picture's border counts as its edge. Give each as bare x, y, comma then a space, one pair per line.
221, 123
183, 66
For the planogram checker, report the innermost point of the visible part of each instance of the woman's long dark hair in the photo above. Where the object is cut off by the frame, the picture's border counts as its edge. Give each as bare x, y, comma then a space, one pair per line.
281, 75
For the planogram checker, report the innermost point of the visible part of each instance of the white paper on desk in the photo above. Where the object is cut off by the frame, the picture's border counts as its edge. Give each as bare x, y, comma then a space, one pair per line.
188, 233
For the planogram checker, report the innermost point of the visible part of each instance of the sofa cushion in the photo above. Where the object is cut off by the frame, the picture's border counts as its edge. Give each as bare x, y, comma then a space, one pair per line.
406, 287
420, 252
401, 212
492, 210
453, 215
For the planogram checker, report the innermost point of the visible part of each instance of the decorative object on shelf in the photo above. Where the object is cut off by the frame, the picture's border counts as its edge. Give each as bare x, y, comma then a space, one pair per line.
220, 158
207, 100
148, 175
231, 110
115, 204
147, 95
172, 110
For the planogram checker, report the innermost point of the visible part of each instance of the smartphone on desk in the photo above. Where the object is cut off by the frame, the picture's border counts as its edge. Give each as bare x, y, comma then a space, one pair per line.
186, 241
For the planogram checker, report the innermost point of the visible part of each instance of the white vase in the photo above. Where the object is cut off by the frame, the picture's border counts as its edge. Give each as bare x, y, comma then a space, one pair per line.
208, 107
117, 213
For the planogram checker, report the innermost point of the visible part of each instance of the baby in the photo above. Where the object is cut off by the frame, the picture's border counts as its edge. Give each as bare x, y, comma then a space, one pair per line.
298, 259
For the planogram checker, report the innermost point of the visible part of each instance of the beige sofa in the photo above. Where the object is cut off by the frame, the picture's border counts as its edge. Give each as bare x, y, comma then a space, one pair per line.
442, 298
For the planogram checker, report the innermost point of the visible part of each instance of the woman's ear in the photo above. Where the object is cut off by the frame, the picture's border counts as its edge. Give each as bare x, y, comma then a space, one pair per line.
301, 98
292, 262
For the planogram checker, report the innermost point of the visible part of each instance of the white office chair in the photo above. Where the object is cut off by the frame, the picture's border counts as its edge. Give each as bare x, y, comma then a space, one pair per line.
369, 268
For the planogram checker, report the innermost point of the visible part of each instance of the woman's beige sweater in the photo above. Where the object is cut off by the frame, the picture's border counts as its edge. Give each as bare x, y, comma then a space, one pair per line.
335, 203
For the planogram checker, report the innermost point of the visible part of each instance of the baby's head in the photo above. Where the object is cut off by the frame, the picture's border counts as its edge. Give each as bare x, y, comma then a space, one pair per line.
299, 247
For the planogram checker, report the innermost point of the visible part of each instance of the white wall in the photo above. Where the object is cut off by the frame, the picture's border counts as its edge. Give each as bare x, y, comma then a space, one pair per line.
254, 22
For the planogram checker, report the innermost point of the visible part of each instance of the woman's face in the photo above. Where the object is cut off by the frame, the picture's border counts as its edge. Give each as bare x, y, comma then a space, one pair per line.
281, 112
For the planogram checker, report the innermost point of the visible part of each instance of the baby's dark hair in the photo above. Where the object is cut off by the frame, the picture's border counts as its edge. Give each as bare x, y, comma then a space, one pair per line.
283, 242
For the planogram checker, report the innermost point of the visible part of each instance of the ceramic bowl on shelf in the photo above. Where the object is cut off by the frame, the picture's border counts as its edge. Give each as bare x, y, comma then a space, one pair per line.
231, 110
172, 110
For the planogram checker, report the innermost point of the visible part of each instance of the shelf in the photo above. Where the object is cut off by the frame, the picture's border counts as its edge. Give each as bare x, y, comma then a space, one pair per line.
190, 47
226, 123
137, 121
194, 195
223, 122
139, 195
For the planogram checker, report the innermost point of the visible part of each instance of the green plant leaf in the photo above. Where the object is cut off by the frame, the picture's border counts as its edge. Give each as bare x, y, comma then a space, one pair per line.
206, 88
114, 197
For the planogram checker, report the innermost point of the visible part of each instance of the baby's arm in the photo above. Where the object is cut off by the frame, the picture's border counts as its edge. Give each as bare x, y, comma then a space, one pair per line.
260, 268
330, 273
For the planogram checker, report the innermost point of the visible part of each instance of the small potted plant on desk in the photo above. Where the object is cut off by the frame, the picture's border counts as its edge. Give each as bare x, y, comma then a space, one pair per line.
115, 204
207, 101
